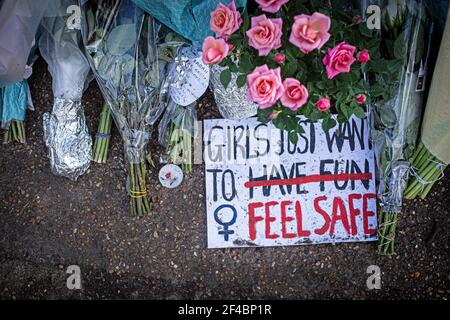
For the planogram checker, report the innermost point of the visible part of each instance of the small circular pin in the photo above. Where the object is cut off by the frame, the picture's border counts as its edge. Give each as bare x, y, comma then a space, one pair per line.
170, 176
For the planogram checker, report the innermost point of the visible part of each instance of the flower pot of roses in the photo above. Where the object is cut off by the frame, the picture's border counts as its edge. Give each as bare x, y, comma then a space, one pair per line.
293, 58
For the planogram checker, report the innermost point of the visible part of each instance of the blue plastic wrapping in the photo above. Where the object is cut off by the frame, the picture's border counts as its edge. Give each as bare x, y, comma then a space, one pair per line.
189, 18
13, 102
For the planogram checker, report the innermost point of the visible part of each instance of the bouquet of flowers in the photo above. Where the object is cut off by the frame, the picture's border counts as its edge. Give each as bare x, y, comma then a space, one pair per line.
17, 43
177, 129
432, 155
65, 131
296, 58
121, 42
178, 124
398, 94
14, 99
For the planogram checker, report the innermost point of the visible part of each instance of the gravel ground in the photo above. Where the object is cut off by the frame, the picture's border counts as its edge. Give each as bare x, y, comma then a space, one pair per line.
48, 223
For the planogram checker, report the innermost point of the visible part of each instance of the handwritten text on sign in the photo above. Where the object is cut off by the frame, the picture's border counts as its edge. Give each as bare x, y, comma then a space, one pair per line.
264, 190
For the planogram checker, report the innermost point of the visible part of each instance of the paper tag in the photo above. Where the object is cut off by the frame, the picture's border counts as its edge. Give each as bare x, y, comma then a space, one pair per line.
190, 77
170, 176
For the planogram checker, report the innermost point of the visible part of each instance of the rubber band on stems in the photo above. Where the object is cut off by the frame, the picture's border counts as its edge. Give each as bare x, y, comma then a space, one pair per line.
138, 194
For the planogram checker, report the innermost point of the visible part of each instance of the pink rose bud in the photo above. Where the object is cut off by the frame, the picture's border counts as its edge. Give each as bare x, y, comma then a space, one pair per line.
339, 59
323, 104
310, 32
214, 50
363, 56
361, 98
273, 115
357, 19
271, 6
264, 86
295, 94
265, 34
225, 20
279, 58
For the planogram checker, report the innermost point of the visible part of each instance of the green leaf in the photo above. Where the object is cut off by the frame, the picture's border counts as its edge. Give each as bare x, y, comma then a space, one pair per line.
233, 67
316, 115
241, 80
364, 30
225, 77
245, 64
359, 112
223, 63
346, 111
321, 85
328, 123
246, 21
290, 69
279, 123
400, 48
293, 137
341, 118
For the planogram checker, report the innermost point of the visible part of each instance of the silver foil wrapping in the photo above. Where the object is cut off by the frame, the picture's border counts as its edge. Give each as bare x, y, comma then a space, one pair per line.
67, 138
231, 102
396, 185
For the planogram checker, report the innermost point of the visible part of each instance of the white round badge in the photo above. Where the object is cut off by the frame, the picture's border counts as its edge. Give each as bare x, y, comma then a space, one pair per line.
170, 176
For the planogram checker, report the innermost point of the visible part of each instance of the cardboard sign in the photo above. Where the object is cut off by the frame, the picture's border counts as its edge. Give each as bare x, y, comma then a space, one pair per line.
264, 190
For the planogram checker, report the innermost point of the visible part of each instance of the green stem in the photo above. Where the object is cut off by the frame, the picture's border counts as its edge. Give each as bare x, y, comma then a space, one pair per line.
425, 177
420, 151
434, 177
14, 130
388, 225
137, 180
102, 143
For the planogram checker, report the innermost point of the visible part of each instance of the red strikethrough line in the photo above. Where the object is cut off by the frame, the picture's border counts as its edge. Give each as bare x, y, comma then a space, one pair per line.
309, 179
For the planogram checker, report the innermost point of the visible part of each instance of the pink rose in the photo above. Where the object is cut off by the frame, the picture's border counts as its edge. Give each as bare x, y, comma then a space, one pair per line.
225, 20
295, 94
363, 56
214, 50
323, 104
339, 59
264, 86
310, 32
279, 58
265, 34
361, 98
271, 6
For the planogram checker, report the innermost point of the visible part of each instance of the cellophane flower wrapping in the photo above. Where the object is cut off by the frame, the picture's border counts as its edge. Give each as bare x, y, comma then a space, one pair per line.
177, 128
65, 130
121, 43
19, 21
398, 92
397, 114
